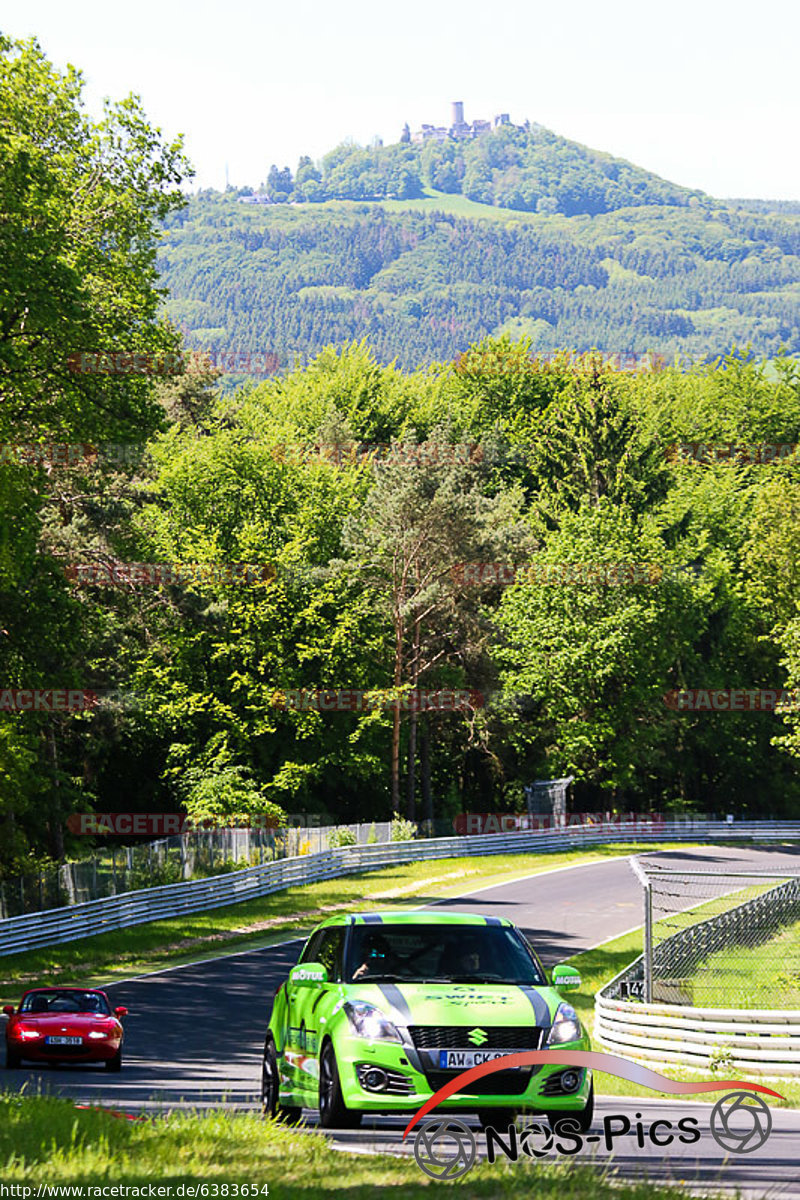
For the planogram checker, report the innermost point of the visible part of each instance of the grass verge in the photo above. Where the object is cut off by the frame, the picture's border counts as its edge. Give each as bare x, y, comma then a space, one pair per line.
765, 976
254, 923
44, 1140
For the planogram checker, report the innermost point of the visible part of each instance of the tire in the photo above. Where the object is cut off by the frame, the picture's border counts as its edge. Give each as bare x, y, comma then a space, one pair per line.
13, 1060
115, 1063
497, 1118
583, 1119
271, 1107
333, 1112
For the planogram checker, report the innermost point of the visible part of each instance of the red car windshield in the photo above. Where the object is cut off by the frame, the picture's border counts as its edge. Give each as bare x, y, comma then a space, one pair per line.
65, 1002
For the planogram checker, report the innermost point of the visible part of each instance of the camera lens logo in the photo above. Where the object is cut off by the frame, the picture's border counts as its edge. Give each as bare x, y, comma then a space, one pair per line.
530, 1145
740, 1122
445, 1149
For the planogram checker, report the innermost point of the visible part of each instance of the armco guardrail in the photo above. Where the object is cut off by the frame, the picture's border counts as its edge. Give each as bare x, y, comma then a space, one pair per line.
760, 1040
56, 926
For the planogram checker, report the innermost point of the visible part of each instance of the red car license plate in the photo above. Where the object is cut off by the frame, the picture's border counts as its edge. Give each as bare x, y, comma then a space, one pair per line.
63, 1041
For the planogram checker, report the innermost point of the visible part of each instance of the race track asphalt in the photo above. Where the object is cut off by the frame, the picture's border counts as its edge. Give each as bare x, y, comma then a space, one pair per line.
194, 1035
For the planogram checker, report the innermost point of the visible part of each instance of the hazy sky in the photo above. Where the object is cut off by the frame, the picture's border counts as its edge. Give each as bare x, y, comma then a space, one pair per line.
703, 93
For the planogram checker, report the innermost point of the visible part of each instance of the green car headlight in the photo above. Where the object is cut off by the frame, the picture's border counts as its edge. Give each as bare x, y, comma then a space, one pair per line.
566, 1026
369, 1022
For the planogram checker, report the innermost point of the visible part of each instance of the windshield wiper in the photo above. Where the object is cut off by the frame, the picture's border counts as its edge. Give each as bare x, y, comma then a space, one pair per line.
381, 979
484, 978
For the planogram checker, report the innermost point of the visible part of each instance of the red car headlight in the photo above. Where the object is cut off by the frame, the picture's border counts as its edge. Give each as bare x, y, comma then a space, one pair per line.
29, 1033
98, 1033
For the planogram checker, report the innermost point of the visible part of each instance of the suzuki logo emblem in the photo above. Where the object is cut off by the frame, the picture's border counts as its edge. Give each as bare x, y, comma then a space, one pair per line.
478, 1037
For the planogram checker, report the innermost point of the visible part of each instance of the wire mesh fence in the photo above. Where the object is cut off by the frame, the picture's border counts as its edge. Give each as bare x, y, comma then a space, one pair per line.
719, 939
194, 855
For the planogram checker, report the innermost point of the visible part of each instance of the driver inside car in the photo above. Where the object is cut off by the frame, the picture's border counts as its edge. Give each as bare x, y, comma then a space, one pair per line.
376, 957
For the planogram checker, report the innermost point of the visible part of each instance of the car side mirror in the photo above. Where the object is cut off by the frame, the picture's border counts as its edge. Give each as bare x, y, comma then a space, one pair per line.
121, 1011
566, 979
310, 974
9, 1010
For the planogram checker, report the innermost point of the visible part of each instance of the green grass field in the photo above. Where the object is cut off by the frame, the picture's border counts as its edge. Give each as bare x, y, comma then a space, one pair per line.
766, 976
49, 1141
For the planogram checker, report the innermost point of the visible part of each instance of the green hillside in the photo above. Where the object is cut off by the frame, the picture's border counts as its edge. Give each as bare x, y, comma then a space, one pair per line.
422, 278
526, 168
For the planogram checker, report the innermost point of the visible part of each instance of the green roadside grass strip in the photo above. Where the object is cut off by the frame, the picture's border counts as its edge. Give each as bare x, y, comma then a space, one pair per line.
598, 967
183, 939
47, 1141
765, 976
666, 926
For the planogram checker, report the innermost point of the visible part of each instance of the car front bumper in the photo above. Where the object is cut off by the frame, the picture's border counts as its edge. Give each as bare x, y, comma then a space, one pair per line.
34, 1050
413, 1077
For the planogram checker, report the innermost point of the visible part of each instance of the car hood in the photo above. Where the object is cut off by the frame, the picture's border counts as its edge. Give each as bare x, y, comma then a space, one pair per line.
70, 1022
462, 1003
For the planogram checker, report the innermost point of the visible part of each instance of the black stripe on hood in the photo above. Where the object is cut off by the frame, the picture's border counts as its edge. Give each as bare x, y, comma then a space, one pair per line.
392, 993
539, 1005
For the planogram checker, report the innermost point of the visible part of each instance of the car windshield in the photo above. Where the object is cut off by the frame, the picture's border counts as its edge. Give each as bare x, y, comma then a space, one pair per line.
439, 953
65, 1002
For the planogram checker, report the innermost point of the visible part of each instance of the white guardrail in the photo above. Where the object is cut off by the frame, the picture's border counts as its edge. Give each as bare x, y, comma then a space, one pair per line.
58, 925
766, 1041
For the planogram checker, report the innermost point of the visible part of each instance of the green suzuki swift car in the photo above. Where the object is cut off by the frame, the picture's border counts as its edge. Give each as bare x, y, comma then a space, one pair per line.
383, 1009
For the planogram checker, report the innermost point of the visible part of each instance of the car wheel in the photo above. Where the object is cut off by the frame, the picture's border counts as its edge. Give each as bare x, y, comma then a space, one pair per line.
497, 1118
115, 1063
271, 1107
333, 1112
13, 1060
582, 1119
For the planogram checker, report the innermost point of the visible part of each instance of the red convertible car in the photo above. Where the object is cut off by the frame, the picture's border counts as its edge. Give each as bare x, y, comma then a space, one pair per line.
64, 1025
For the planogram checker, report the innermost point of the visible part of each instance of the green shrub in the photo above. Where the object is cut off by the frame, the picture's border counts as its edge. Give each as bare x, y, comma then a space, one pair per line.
342, 836
402, 830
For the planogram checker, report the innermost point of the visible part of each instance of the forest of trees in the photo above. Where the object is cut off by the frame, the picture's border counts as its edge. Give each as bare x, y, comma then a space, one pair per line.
358, 579
423, 286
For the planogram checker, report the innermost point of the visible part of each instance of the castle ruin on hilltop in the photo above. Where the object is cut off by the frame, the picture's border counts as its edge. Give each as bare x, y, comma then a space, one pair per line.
460, 129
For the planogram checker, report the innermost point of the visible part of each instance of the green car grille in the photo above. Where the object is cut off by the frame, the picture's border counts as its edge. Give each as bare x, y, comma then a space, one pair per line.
456, 1037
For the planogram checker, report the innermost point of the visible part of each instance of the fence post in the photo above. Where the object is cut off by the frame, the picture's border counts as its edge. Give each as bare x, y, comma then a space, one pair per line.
647, 958
648, 943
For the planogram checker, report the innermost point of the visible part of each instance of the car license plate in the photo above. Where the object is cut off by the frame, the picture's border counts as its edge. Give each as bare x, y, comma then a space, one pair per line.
64, 1041
462, 1060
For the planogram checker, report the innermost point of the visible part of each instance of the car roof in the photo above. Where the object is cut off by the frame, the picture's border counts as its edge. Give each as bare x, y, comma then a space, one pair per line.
414, 916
